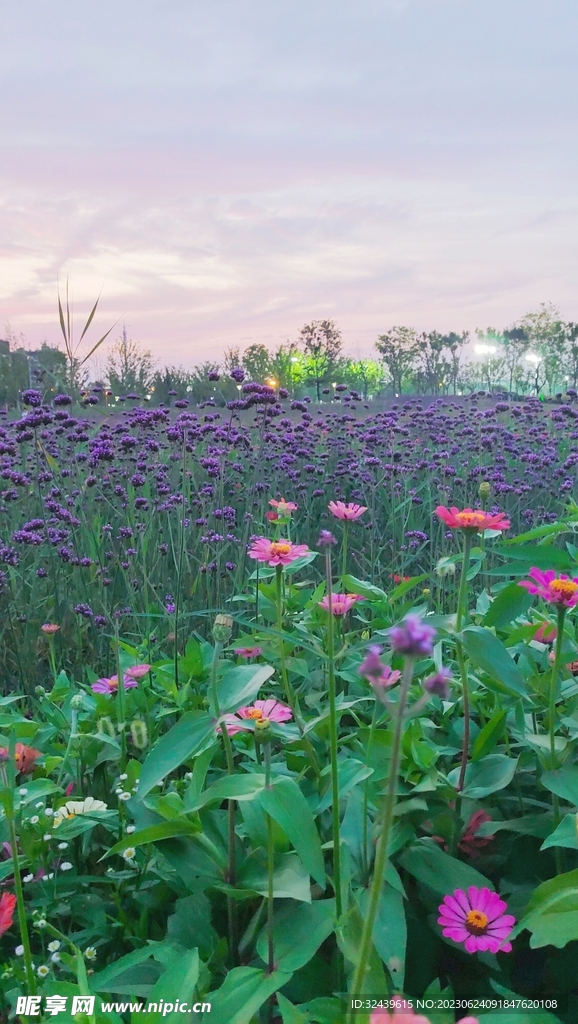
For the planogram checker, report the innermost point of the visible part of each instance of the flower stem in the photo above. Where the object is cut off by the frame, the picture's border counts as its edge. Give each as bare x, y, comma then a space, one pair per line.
333, 740
231, 866
552, 721
289, 692
461, 614
270, 865
29, 969
381, 856
364, 857
344, 548
120, 712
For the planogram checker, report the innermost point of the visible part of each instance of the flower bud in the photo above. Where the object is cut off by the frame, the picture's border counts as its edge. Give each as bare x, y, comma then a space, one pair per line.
444, 568
438, 684
139, 733
76, 701
263, 730
39, 691
484, 490
222, 628
326, 539
106, 726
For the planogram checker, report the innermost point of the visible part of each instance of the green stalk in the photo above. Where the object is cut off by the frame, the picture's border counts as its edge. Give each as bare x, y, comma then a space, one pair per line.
120, 709
71, 738
333, 741
381, 856
460, 615
364, 860
20, 904
289, 692
270, 864
344, 548
552, 721
231, 866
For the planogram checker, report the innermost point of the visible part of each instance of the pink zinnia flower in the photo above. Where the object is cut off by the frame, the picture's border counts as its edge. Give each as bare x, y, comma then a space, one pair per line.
340, 603
471, 519
24, 757
7, 908
277, 552
248, 652
50, 628
342, 511
373, 669
558, 590
137, 671
270, 710
110, 685
477, 919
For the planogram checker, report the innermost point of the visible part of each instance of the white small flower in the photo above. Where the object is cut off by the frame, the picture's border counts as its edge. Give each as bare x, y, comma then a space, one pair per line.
48, 812
39, 805
123, 776
66, 865
19, 951
135, 785
55, 958
188, 776
28, 878
53, 946
23, 791
129, 853
6, 974
42, 971
63, 846
118, 791
49, 876
124, 796
90, 953
47, 836
130, 829
34, 819
41, 922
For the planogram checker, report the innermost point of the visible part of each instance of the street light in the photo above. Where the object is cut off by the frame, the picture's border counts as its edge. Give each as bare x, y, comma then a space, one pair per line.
487, 350
535, 360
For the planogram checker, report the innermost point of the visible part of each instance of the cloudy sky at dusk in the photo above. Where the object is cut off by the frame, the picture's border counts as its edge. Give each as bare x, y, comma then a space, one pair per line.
228, 170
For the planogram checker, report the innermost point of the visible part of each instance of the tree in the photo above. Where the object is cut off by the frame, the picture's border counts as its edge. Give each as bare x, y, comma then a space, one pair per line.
453, 343
257, 362
321, 341
231, 358
571, 335
364, 375
399, 350
435, 368
546, 334
515, 344
129, 367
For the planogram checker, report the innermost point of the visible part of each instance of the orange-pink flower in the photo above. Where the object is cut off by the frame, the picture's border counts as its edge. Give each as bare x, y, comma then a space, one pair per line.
50, 628
25, 757
340, 603
277, 552
7, 907
472, 519
269, 710
341, 510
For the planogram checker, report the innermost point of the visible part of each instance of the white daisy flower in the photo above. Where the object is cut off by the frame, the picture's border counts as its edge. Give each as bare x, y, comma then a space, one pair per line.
42, 971
55, 958
28, 878
73, 807
19, 951
129, 853
130, 829
34, 819
48, 812
47, 836
63, 846
124, 796
66, 865
90, 953
53, 946
123, 777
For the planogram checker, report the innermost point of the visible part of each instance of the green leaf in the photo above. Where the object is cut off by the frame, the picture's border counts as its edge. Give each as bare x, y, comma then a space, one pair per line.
232, 787
177, 983
352, 585
563, 782
349, 773
298, 933
286, 804
244, 990
290, 878
511, 602
154, 834
566, 834
389, 930
489, 775
528, 825
290, 1014
178, 745
104, 981
241, 684
543, 557
489, 653
436, 869
552, 913
487, 737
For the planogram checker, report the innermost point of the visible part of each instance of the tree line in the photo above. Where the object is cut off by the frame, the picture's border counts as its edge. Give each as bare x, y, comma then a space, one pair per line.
536, 355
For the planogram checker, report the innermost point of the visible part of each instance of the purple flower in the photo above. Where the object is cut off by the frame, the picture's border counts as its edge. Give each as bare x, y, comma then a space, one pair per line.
438, 684
413, 637
326, 539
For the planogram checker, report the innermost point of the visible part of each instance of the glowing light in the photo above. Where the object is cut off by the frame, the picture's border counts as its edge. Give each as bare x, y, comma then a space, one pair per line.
486, 350
533, 357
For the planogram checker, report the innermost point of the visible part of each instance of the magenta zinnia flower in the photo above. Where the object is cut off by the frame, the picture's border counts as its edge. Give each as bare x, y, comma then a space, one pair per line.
277, 552
477, 919
110, 685
342, 511
471, 519
558, 590
340, 603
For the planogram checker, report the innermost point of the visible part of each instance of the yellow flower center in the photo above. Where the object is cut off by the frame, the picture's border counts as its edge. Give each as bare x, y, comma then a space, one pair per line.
470, 519
254, 713
566, 588
280, 547
477, 922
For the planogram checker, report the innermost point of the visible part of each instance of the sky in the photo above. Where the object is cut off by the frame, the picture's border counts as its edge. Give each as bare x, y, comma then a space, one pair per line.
229, 170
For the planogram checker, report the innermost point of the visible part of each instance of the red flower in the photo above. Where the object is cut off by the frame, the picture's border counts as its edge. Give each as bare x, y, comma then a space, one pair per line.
25, 757
471, 519
7, 906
